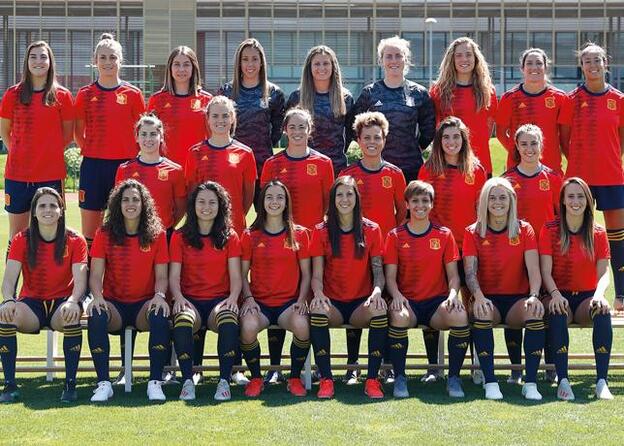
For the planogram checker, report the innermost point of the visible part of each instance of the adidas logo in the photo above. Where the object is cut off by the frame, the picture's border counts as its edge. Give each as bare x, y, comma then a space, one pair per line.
483, 354
563, 349
252, 360
621, 269
602, 350
136, 175
359, 182
396, 346
584, 104
94, 99
75, 348
167, 105
378, 104
485, 243
284, 170
4, 349
184, 356
159, 348
261, 245
536, 353
204, 158
321, 352
375, 354
522, 105
97, 350
462, 345
300, 358
230, 354
273, 339
512, 344
405, 245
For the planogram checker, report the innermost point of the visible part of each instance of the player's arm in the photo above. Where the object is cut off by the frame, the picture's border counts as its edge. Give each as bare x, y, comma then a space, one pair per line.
481, 305
502, 133
564, 139
12, 271
622, 141
179, 209
68, 131
249, 303
318, 266
531, 261
179, 301
399, 301
248, 194
79, 132
379, 282
236, 282
158, 302
453, 302
602, 272
558, 304
79, 274
96, 277
5, 131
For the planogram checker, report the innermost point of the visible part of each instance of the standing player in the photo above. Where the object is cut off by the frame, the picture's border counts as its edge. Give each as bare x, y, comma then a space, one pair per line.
464, 89
405, 104
574, 254
421, 274
36, 123
321, 93
128, 281
276, 258
206, 244
534, 101
502, 269
54, 262
593, 128
106, 112
181, 104
347, 283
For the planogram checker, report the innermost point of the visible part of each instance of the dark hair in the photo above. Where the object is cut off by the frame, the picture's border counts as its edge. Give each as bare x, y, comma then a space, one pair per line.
467, 159
587, 227
195, 81
222, 226
33, 236
149, 221
333, 222
287, 219
26, 85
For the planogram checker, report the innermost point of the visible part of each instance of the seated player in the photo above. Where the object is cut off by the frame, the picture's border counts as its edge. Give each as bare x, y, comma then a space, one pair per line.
53, 262
421, 276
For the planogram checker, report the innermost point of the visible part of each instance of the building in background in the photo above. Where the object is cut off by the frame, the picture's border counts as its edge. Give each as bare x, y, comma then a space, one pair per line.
288, 28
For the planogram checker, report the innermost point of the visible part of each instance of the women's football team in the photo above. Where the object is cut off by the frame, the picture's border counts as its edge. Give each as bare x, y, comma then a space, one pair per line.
388, 243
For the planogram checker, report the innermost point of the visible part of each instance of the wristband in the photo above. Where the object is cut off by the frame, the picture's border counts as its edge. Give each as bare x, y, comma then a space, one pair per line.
12, 299
551, 292
533, 295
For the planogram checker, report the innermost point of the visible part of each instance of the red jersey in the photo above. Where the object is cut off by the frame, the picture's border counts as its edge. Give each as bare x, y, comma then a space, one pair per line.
36, 138
347, 277
184, 120
464, 106
517, 107
164, 180
232, 166
574, 270
129, 272
48, 280
308, 180
502, 269
456, 198
204, 273
275, 272
421, 260
595, 120
109, 115
381, 193
538, 195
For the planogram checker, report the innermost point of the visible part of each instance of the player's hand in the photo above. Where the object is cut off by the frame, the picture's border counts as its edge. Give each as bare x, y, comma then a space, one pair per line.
231, 304
301, 307
158, 303
453, 303
71, 312
376, 301
250, 306
180, 304
98, 305
398, 303
558, 304
618, 304
534, 307
7, 311
320, 303
482, 308
600, 303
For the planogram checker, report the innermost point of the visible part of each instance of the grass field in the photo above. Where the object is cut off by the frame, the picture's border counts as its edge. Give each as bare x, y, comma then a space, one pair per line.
428, 417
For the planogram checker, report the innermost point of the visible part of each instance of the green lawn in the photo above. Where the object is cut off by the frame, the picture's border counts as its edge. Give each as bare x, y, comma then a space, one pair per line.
427, 417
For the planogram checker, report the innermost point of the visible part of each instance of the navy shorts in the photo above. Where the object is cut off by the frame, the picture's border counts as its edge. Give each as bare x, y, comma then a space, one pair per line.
97, 179
425, 309
504, 302
43, 309
273, 313
346, 309
19, 194
460, 271
128, 312
608, 197
576, 298
204, 307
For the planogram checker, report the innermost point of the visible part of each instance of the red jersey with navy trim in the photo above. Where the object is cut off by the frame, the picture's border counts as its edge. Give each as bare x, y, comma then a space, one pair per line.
574, 270
517, 107
456, 197
205, 272
232, 166
36, 138
502, 269
48, 280
421, 260
129, 268
109, 115
308, 180
595, 120
164, 180
184, 120
381, 193
538, 195
275, 272
347, 277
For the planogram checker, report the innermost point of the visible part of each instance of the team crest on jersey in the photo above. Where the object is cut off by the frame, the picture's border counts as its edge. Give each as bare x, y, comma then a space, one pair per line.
611, 105
522, 105
515, 241
434, 243
122, 99
549, 102
311, 169
145, 248
469, 179
233, 158
163, 175
196, 104
386, 182
544, 184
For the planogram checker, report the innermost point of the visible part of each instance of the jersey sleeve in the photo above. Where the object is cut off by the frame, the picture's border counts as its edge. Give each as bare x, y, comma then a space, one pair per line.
119, 175
162, 253
349, 119
303, 239
493, 107
138, 107
66, 104
424, 175
8, 104
18, 248
316, 245
555, 187
469, 247
391, 255
544, 242
328, 180
190, 171
362, 103
451, 252
98, 248
233, 245
245, 243
179, 185
503, 120
79, 251
529, 237
79, 106
293, 100
249, 173
399, 193
426, 121
277, 115
151, 103
376, 241
567, 112
175, 247
266, 174
601, 245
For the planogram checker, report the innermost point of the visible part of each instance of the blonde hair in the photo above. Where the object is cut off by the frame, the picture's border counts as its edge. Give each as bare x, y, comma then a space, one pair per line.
403, 46
513, 224
370, 119
587, 228
336, 89
107, 40
237, 76
229, 104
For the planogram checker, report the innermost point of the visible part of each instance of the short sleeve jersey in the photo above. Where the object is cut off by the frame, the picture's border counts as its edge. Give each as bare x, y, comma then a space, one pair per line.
308, 180
595, 120
574, 270
464, 106
109, 115
381, 192
275, 272
456, 198
421, 260
164, 180
184, 120
48, 280
204, 272
232, 166
36, 138
502, 268
517, 107
129, 268
347, 277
